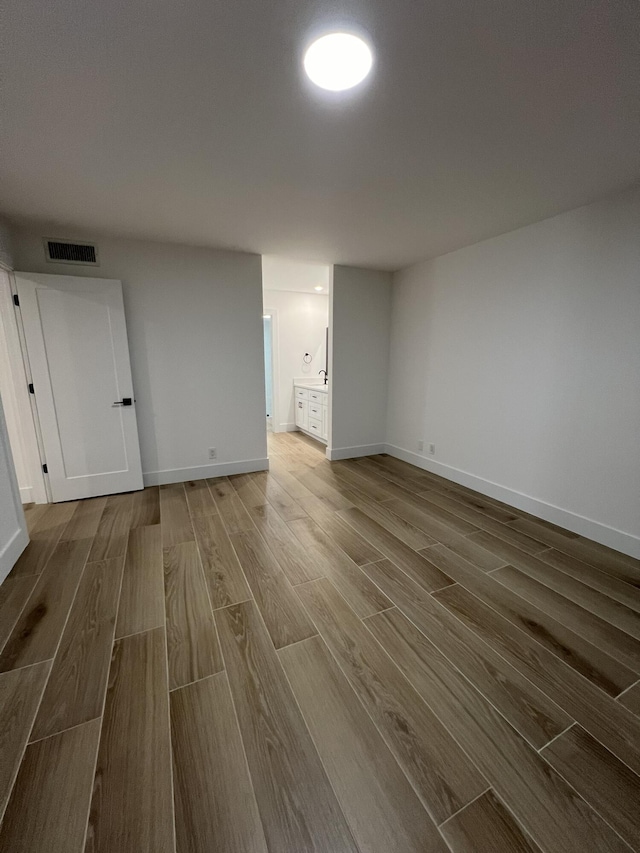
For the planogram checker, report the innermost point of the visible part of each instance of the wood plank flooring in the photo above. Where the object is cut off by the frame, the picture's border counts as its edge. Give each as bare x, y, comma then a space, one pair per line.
322, 658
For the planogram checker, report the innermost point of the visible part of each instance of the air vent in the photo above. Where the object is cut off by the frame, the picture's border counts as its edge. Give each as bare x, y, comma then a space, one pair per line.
65, 252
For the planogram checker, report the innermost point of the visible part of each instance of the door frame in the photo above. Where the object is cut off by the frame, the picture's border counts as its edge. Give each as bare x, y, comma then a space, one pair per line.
132, 448
21, 403
17, 540
275, 367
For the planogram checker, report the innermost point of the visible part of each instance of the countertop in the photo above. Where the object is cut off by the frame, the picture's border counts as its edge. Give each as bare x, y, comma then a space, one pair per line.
310, 386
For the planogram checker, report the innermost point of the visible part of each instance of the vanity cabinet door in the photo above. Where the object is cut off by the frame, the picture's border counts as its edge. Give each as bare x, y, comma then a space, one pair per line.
302, 413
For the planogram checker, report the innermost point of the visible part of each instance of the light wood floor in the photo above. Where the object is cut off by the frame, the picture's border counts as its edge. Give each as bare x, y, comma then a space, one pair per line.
355, 656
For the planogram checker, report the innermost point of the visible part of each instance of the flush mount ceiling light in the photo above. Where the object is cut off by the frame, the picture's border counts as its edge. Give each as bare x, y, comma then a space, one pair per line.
338, 61
319, 287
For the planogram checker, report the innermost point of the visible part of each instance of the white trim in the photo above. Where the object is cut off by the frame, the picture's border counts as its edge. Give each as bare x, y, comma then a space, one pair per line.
275, 364
335, 453
627, 543
202, 472
12, 550
286, 428
26, 494
18, 403
19, 539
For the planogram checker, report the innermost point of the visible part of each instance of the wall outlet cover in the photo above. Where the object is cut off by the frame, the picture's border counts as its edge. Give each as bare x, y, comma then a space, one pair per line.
213, 453
421, 445
432, 449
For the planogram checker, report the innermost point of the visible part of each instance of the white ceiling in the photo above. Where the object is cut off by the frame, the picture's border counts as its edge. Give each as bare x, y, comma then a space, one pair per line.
191, 121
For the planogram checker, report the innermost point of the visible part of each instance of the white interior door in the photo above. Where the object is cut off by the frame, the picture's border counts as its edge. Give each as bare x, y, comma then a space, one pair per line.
78, 352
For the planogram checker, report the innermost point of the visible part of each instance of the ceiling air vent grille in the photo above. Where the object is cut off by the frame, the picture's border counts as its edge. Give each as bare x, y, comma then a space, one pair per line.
65, 252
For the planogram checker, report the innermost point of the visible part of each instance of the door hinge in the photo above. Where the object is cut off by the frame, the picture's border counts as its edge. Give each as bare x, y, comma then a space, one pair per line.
16, 299
31, 388
45, 469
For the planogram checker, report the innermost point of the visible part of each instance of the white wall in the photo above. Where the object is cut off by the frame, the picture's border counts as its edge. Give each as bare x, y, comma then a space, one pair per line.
6, 244
519, 357
195, 338
359, 361
300, 323
302, 276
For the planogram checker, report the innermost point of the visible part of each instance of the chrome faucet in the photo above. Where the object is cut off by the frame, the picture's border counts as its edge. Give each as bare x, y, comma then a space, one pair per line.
326, 375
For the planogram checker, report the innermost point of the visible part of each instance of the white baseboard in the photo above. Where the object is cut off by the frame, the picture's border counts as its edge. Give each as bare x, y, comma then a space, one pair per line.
286, 428
26, 495
336, 453
627, 543
201, 472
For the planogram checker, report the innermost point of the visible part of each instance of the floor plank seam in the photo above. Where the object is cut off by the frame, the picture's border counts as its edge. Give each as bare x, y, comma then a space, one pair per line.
466, 805
233, 604
378, 612
308, 728
372, 562
523, 829
62, 731
534, 638
244, 575
51, 661
302, 583
618, 655
18, 763
515, 627
448, 586
585, 582
589, 589
570, 669
559, 735
135, 633
55, 654
252, 783
304, 639
22, 609
467, 679
206, 586
590, 805
166, 663
420, 699
171, 780
29, 665
106, 690
195, 681
627, 689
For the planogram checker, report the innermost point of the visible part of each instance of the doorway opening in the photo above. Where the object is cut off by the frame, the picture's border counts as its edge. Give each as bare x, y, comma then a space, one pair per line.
296, 320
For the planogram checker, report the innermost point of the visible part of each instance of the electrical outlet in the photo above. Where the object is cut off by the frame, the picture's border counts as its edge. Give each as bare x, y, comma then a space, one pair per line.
420, 445
432, 449
213, 453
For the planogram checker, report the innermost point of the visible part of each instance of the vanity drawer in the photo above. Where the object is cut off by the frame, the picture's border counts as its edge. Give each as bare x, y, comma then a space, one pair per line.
315, 426
302, 394
315, 410
318, 397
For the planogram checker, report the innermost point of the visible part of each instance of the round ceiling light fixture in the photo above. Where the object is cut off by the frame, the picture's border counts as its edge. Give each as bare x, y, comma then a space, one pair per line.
318, 287
338, 61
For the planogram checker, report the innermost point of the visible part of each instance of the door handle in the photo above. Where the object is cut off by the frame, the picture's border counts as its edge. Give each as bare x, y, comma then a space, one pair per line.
126, 401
